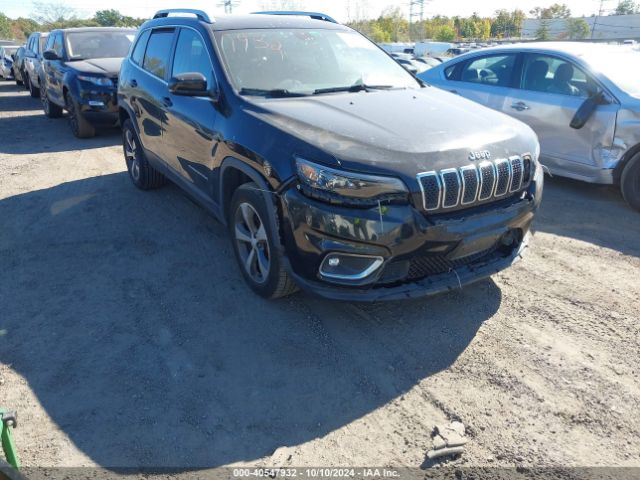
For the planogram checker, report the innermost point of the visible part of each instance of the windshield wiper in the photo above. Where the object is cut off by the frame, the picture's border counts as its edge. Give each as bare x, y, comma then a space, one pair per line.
275, 92
358, 87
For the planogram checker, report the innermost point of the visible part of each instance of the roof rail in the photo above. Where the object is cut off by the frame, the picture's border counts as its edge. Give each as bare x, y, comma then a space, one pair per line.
314, 15
198, 13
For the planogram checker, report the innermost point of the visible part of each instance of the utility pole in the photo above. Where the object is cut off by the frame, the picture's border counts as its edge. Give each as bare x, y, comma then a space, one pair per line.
416, 12
595, 20
228, 5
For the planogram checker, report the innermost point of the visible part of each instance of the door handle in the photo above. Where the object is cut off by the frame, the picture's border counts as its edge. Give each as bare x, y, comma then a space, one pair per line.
167, 102
520, 106
134, 83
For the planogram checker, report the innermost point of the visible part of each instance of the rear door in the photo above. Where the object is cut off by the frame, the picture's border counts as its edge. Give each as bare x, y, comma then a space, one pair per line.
190, 141
485, 79
149, 90
551, 90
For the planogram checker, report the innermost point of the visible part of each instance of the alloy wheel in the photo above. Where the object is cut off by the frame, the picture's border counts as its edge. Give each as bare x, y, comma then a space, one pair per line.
131, 154
73, 119
45, 101
252, 243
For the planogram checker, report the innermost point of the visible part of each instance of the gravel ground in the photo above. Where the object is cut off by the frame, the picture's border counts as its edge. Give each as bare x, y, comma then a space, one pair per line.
128, 338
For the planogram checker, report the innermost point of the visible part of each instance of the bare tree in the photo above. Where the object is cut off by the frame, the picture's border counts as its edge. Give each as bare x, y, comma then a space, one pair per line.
47, 13
281, 5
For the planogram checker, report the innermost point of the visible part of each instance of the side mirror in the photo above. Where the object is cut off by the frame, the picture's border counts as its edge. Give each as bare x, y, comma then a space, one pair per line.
193, 84
50, 55
587, 108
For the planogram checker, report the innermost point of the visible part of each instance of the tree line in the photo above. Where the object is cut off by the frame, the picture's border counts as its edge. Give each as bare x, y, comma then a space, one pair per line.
49, 16
391, 26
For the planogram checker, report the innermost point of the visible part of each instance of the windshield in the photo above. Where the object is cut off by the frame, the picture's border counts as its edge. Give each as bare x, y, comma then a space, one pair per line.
306, 61
621, 66
84, 45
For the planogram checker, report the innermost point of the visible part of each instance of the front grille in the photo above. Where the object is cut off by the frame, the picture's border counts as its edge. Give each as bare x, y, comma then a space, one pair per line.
470, 184
427, 265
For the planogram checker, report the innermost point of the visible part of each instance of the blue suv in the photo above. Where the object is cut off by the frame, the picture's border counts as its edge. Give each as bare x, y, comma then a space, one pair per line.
334, 169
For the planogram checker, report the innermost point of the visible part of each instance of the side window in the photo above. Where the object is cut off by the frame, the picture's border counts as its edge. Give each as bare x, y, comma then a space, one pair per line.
192, 56
138, 52
57, 44
156, 57
545, 73
493, 70
49, 44
30, 44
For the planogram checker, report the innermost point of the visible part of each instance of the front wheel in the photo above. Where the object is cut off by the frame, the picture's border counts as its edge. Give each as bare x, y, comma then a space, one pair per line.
51, 110
256, 244
79, 125
630, 182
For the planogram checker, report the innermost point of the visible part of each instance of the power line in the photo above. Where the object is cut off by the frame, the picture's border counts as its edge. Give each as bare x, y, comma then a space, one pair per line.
228, 5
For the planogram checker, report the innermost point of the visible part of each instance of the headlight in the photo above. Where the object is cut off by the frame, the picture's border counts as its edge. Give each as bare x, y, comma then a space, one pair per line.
102, 81
337, 186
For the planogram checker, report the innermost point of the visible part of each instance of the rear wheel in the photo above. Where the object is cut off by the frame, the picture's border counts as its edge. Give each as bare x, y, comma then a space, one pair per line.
630, 182
79, 125
142, 174
256, 244
51, 110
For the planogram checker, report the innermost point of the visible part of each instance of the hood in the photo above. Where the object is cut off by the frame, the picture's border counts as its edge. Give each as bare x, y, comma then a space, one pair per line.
109, 67
397, 131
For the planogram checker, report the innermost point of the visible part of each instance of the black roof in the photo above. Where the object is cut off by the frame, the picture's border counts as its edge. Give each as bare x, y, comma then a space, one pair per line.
251, 21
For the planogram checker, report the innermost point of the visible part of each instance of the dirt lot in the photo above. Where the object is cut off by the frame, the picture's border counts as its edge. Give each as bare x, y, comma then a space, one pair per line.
127, 337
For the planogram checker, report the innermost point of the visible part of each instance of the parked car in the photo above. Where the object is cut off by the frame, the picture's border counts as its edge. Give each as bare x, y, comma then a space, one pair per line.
429, 61
348, 178
583, 101
7, 42
80, 75
18, 65
33, 62
454, 52
6, 61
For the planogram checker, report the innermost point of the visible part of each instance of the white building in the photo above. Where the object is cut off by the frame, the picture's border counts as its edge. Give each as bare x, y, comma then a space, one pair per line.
615, 27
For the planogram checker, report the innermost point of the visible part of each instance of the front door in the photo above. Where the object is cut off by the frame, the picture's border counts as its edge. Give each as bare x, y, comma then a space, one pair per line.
552, 90
191, 139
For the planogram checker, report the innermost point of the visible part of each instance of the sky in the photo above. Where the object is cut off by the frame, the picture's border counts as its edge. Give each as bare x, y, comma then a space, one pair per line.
336, 8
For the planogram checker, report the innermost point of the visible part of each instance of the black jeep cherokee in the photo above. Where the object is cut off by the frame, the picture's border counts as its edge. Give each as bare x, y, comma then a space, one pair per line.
333, 167
80, 74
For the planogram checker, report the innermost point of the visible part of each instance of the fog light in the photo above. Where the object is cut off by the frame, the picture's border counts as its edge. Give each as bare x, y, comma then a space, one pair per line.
347, 266
508, 239
334, 262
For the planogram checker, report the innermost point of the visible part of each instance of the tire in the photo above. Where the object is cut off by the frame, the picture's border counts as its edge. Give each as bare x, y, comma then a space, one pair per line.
19, 82
630, 182
33, 91
51, 110
255, 244
79, 125
25, 80
142, 174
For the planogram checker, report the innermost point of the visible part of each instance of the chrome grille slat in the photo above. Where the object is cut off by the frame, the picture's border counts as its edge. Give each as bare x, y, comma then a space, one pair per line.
450, 187
516, 173
503, 177
487, 180
474, 183
470, 184
431, 190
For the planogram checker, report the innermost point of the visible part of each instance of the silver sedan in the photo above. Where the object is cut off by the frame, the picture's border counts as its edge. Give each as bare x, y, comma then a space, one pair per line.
582, 99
